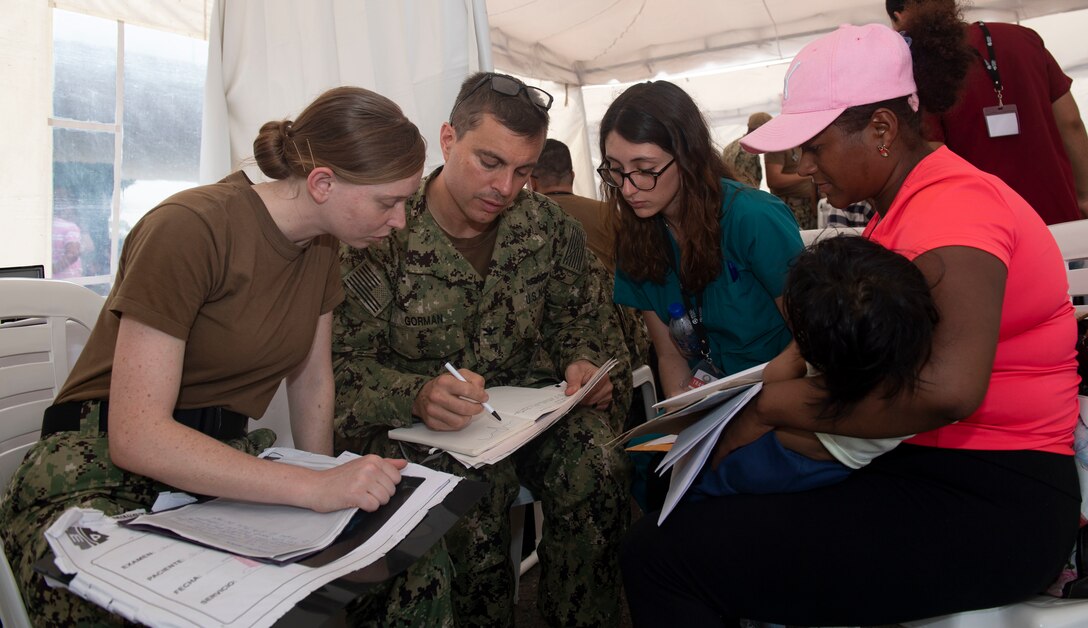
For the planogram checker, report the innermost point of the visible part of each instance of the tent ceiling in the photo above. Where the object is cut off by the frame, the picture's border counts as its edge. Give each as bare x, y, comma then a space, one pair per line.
592, 42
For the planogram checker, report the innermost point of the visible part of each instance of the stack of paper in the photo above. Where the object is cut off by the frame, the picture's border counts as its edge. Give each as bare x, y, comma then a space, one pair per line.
684, 409
270, 532
525, 412
697, 417
161, 580
695, 444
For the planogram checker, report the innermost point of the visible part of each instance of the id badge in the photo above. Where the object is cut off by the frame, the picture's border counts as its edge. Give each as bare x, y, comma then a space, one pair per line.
704, 373
1001, 121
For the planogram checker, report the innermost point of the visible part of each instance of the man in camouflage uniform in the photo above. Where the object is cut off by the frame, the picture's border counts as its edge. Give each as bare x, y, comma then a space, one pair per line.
497, 281
742, 165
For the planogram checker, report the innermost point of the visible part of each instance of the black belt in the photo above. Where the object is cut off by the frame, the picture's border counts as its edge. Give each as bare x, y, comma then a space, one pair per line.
217, 422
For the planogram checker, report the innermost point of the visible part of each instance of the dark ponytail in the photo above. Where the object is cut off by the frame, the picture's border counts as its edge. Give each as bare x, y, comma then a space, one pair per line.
941, 54
940, 58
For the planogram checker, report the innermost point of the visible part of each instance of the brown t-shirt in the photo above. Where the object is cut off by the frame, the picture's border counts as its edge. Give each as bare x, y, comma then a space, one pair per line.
478, 249
593, 216
788, 160
210, 266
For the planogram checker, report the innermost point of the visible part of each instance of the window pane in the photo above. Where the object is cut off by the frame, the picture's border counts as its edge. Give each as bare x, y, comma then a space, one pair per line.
164, 91
82, 194
84, 67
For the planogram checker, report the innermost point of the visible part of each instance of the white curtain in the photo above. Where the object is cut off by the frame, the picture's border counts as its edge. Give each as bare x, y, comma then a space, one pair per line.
267, 59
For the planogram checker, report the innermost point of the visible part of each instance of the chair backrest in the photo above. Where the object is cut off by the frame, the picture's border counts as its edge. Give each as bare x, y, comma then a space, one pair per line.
1072, 239
277, 418
808, 236
48, 323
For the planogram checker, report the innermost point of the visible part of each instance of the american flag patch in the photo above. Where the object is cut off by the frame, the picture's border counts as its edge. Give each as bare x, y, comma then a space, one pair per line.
574, 258
365, 284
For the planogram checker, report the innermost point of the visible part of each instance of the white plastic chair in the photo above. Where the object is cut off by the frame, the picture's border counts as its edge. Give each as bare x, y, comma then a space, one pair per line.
523, 501
52, 322
277, 418
1072, 239
642, 378
809, 236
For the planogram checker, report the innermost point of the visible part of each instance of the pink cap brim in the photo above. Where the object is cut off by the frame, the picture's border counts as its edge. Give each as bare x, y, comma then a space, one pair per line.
789, 130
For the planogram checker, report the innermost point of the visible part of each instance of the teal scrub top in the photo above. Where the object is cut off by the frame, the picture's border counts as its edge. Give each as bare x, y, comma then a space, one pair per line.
760, 238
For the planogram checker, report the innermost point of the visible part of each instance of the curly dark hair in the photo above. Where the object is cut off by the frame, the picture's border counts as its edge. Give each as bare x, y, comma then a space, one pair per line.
660, 113
861, 314
940, 58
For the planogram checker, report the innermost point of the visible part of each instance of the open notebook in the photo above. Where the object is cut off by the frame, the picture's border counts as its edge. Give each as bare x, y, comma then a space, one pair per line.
522, 411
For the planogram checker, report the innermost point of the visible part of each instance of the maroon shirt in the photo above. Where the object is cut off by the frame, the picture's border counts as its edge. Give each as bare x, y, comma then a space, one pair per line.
1033, 163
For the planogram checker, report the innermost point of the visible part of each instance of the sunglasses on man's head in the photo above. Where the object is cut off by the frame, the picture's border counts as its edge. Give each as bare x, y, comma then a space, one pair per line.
508, 86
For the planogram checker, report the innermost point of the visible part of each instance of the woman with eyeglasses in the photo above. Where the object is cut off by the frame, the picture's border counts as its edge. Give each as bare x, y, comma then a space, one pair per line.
981, 507
690, 234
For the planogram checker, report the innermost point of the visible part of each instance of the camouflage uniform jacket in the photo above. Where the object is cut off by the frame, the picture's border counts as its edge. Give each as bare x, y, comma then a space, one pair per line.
414, 302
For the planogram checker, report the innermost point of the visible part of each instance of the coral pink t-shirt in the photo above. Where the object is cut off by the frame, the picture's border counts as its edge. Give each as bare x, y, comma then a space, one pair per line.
1031, 402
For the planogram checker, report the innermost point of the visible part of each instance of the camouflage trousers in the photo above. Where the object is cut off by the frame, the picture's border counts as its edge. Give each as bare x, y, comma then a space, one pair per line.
635, 334
73, 469
584, 488
804, 210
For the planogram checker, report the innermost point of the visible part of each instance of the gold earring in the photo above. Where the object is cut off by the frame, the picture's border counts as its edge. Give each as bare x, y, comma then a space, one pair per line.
883, 150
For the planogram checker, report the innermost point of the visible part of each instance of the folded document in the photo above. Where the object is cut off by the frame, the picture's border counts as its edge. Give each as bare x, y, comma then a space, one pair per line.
525, 413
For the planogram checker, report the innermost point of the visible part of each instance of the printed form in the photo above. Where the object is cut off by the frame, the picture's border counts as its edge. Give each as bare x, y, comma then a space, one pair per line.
163, 581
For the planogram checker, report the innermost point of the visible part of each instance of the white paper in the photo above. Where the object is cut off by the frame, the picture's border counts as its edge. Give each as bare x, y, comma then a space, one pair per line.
694, 447
713, 421
162, 581
747, 376
485, 440
263, 531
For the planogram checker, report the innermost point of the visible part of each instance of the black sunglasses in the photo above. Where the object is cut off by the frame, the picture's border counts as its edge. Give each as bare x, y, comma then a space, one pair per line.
508, 86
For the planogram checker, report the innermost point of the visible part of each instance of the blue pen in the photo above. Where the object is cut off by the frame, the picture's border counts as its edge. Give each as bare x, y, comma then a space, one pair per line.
733, 274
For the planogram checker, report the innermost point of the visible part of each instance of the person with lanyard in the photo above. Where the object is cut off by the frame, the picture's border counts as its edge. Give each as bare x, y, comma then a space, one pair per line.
224, 291
981, 508
1016, 117
690, 234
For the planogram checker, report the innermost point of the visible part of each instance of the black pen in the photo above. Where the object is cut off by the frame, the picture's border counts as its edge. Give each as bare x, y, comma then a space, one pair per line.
486, 405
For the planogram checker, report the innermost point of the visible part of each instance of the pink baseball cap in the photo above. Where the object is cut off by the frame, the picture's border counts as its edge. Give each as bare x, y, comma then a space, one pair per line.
854, 65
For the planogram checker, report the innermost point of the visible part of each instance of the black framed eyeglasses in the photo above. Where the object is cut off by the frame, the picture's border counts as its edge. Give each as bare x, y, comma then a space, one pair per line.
507, 86
644, 180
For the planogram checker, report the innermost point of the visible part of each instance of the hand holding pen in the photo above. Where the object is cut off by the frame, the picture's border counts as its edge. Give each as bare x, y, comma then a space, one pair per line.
486, 405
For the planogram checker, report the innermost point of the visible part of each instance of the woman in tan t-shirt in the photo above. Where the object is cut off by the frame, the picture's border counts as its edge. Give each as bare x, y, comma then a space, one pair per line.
222, 292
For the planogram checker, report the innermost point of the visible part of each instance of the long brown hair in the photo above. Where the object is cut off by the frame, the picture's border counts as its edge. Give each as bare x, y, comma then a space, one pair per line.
662, 114
363, 137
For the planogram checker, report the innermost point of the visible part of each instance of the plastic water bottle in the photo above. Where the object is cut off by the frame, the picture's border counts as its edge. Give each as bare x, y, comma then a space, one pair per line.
682, 331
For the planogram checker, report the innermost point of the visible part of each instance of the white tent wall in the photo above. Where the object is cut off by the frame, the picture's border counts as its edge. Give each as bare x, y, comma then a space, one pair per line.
728, 98
25, 181
593, 42
268, 59
567, 123
627, 40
